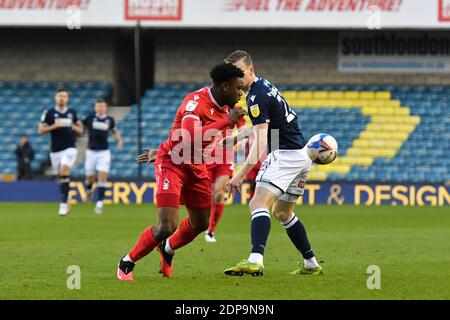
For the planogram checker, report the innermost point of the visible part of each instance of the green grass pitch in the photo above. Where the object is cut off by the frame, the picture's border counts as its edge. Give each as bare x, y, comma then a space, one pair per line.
410, 245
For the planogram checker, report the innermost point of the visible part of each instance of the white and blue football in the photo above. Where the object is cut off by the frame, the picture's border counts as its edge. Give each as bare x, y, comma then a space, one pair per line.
322, 148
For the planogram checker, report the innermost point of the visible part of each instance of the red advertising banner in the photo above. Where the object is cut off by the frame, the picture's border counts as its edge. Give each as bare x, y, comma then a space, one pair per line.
43, 4
444, 10
153, 9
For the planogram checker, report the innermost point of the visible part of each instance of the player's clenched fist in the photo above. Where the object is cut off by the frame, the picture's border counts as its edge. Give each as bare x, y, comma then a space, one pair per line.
235, 114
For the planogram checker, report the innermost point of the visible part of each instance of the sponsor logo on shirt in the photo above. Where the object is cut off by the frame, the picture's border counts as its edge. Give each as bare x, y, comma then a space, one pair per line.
66, 122
191, 105
102, 126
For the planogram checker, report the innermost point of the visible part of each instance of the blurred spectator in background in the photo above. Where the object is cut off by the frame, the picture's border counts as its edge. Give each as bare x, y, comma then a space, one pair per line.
24, 155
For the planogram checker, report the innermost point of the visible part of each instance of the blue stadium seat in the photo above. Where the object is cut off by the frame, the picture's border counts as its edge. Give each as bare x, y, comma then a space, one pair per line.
422, 158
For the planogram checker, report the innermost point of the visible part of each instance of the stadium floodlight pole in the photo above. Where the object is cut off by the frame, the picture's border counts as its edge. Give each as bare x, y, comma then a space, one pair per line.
137, 71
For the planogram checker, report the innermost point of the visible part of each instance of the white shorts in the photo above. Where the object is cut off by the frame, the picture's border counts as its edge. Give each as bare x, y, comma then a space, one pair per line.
284, 172
97, 160
66, 157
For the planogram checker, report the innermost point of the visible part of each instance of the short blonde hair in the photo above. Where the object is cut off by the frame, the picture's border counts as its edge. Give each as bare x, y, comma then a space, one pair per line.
239, 55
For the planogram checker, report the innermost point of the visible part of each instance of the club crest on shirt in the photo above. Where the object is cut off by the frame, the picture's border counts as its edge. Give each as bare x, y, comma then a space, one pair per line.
166, 184
254, 110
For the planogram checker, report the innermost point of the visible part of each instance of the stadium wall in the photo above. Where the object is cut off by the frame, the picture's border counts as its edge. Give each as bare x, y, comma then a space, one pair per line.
79, 55
284, 56
56, 55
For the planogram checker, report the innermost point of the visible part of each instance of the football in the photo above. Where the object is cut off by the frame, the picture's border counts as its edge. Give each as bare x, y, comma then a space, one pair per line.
322, 148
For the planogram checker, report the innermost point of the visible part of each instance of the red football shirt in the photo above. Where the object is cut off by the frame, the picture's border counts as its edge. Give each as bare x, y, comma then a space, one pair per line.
200, 106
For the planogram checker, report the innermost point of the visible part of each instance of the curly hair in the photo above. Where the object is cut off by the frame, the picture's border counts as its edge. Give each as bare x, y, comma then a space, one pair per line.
224, 72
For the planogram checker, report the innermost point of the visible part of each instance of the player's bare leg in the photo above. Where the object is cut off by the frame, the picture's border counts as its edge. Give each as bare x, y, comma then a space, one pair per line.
219, 190
283, 211
260, 228
149, 240
101, 189
252, 184
89, 190
190, 227
64, 182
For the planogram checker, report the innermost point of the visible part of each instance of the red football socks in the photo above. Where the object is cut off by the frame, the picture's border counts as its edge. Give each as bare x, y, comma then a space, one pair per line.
144, 245
216, 214
183, 235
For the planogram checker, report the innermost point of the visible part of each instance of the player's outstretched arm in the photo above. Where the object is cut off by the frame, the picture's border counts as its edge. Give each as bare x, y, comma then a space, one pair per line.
191, 123
148, 157
237, 138
118, 138
255, 154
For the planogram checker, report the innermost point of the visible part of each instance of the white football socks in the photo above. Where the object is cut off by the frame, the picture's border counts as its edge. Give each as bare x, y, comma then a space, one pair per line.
256, 258
311, 263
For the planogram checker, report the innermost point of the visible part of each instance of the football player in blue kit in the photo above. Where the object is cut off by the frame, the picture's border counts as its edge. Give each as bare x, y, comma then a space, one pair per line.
98, 155
282, 177
63, 125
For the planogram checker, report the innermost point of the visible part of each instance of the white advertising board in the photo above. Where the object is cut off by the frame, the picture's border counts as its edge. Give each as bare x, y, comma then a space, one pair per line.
372, 14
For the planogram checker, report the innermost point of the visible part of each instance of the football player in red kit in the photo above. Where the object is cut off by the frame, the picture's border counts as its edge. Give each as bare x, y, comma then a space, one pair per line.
220, 172
180, 169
